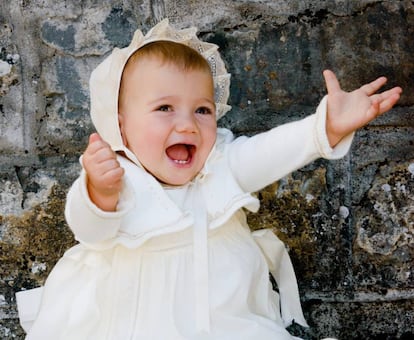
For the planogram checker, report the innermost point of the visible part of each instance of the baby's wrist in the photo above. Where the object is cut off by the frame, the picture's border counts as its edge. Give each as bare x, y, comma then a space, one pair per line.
106, 201
333, 139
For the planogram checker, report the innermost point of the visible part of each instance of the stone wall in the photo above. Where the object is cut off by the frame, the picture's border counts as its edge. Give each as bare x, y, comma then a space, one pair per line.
349, 224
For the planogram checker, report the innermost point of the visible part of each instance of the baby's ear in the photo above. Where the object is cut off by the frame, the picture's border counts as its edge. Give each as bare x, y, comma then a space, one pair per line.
121, 124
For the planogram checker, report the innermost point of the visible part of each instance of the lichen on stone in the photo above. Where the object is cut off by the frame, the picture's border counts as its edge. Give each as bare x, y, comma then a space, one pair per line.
289, 207
35, 239
386, 217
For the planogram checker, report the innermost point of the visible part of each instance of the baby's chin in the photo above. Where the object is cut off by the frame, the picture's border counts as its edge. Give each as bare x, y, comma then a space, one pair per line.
174, 182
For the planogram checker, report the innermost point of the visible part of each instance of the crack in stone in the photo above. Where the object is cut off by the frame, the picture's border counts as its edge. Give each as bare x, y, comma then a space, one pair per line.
157, 10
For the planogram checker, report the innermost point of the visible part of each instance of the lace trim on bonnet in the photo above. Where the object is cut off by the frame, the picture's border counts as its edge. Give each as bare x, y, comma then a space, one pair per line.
105, 79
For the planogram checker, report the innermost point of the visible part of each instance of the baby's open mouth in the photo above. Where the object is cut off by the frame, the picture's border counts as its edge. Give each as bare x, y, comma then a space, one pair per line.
181, 153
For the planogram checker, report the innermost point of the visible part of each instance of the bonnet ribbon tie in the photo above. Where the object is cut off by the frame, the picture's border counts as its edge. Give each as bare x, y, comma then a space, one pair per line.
281, 268
200, 251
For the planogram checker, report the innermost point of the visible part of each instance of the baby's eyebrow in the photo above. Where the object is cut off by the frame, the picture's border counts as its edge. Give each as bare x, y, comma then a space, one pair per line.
161, 99
164, 99
209, 101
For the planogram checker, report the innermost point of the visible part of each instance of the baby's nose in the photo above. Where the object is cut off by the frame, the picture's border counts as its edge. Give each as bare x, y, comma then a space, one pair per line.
185, 122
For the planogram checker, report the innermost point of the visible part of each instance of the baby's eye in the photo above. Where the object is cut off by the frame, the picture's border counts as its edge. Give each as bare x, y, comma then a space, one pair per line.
203, 110
164, 108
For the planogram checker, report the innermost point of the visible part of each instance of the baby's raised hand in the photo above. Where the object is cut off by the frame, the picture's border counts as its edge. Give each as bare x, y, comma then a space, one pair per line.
349, 111
104, 173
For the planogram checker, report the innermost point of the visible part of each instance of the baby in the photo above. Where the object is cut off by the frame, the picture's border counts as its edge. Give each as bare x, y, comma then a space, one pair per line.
164, 249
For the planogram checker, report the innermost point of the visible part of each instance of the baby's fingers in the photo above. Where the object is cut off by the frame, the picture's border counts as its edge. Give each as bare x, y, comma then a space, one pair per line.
95, 144
107, 167
94, 137
387, 99
384, 95
388, 102
107, 176
372, 87
373, 111
332, 83
383, 102
112, 179
104, 154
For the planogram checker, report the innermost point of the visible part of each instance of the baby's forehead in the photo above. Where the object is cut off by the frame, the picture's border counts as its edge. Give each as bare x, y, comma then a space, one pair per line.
142, 76
151, 66
155, 59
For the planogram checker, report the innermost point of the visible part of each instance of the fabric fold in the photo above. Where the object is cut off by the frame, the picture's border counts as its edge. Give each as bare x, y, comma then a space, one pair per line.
28, 304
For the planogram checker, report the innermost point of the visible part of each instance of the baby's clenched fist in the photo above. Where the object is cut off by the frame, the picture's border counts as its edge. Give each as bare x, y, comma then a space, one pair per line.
104, 173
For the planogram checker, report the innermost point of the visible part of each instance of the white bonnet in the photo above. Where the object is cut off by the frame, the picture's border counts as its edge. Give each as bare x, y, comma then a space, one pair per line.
106, 78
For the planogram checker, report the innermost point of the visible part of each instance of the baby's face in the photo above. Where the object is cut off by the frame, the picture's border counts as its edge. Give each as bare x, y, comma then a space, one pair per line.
167, 119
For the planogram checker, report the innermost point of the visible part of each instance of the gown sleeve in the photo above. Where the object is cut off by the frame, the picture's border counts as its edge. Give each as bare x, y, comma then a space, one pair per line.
89, 223
266, 157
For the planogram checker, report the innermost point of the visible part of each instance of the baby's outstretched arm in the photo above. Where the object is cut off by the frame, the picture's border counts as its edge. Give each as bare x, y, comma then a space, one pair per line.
349, 111
104, 173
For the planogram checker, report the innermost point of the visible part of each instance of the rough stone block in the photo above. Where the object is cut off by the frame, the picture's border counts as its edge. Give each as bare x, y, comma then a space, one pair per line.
348, 224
